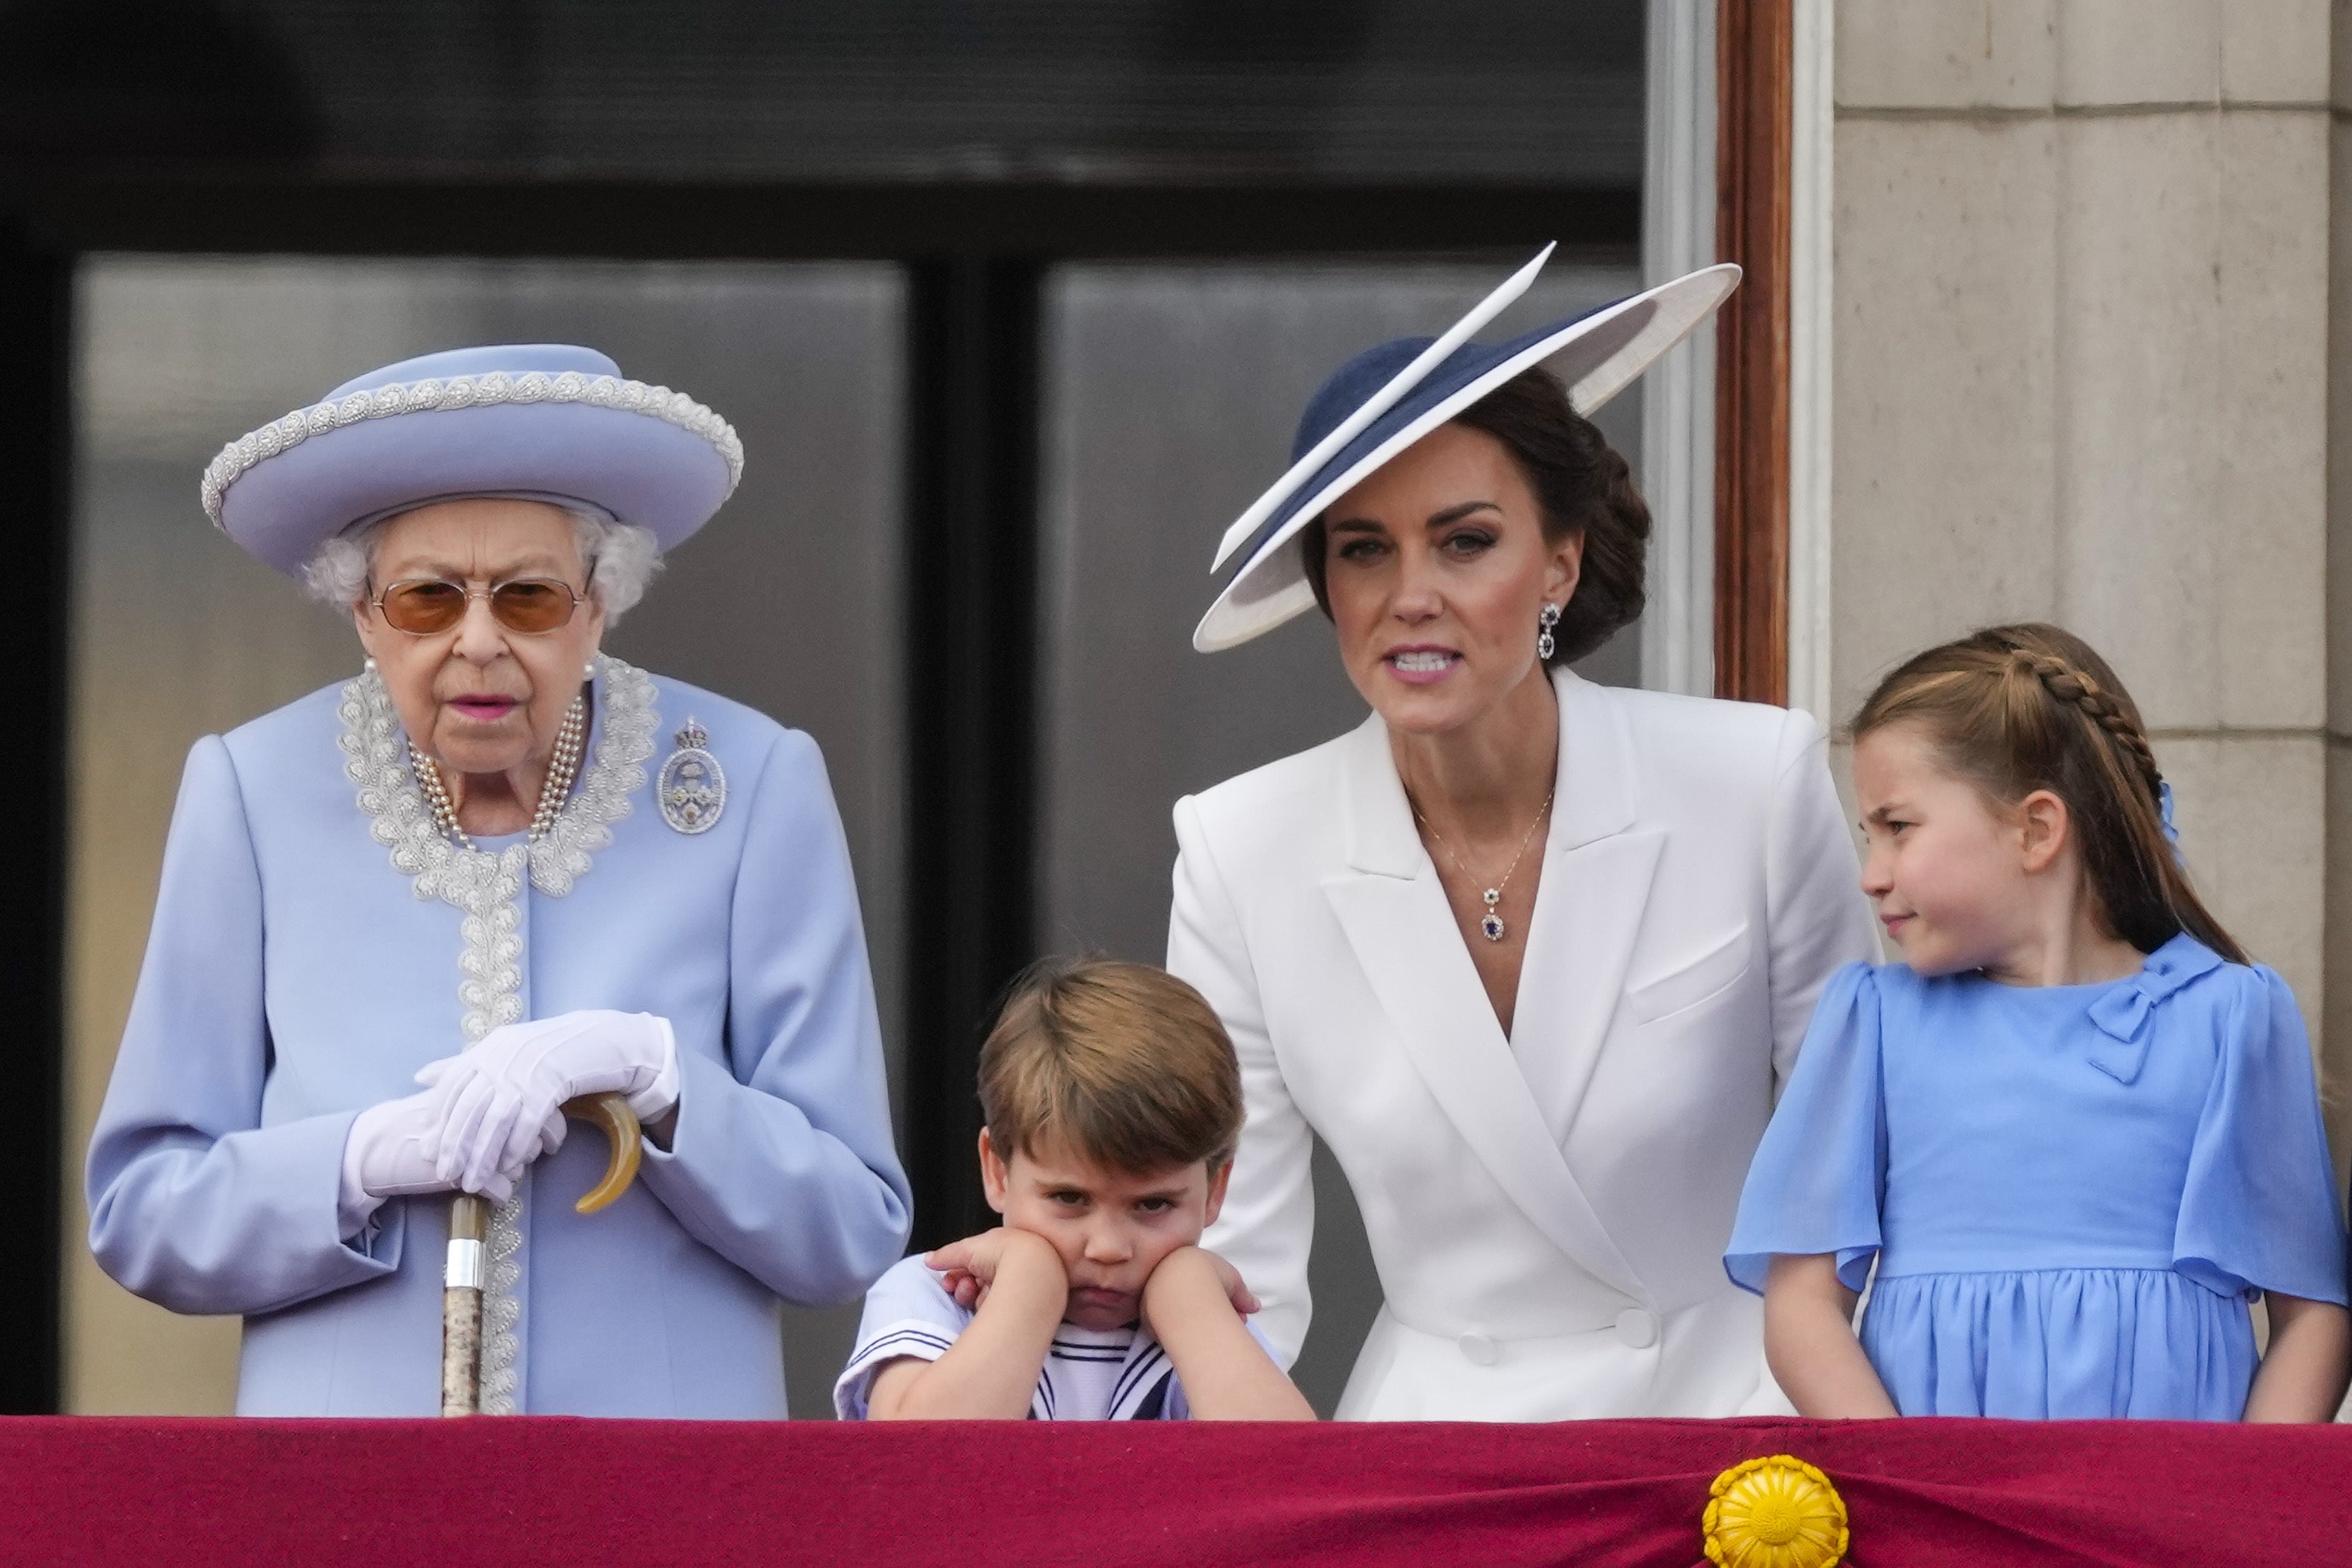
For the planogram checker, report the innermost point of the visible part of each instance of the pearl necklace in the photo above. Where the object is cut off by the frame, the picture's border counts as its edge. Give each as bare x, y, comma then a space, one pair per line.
1491, 927
562, 767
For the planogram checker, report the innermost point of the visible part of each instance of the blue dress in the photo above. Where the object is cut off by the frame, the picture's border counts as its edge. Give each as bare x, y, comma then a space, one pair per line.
2072, 1192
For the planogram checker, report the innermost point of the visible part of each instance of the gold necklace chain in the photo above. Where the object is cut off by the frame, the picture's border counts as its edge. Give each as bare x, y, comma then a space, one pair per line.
1491, 926
562, 767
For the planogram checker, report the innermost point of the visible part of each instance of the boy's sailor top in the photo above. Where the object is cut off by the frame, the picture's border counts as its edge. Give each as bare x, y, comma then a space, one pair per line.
1090, 1374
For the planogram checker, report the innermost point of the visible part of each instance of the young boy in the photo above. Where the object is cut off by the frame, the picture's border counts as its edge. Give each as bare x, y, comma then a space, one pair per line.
1113, 1103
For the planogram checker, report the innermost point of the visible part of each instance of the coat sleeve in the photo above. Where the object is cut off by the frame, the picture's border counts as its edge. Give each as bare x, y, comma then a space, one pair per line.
1268, 1225
193, 1204
781, 1159
1818, 919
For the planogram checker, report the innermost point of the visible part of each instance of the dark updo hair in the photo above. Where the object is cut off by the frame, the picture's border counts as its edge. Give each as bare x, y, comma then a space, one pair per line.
1581, 487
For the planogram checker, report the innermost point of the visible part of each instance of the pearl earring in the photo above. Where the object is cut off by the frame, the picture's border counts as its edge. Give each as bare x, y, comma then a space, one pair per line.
588, 671
1546, 618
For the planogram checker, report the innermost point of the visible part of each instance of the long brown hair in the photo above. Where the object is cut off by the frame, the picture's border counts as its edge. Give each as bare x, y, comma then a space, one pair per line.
2013, 710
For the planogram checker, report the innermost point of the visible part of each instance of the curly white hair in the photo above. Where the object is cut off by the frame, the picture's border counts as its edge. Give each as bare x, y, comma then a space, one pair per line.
624, 556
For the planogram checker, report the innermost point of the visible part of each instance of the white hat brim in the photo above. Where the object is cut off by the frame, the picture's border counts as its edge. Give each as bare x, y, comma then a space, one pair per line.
1271, 587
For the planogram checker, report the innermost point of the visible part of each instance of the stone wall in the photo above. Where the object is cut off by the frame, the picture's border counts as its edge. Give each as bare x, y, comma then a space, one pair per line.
2081, 365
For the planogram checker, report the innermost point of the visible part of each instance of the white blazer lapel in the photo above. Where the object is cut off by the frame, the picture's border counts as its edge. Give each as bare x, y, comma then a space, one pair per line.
1596, 882
1397, 920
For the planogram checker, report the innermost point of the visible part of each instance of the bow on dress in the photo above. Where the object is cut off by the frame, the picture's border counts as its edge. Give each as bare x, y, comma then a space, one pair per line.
2122, 1012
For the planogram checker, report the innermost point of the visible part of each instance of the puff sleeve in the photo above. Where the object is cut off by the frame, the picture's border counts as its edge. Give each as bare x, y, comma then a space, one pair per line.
2259, 1211
1817, 1179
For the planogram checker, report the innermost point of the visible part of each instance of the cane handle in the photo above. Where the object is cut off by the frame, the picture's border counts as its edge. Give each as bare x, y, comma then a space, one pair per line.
624, 1139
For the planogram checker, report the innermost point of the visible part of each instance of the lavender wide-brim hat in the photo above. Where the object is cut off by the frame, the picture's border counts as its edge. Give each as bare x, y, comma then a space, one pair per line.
1388, 397
536, 421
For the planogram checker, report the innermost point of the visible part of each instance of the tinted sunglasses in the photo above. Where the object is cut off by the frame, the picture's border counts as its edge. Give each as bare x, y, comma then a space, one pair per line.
422, 606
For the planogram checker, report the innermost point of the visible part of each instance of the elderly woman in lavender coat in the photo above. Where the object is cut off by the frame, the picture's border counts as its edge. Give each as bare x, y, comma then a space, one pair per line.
402, 919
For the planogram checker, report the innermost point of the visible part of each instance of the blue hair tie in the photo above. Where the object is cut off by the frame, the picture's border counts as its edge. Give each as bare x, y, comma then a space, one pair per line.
2164, 815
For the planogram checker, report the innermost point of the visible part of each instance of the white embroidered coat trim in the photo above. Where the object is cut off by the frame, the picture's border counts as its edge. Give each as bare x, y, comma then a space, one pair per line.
484, 887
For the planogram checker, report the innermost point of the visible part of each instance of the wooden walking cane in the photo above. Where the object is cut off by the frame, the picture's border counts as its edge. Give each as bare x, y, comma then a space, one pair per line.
467, 1269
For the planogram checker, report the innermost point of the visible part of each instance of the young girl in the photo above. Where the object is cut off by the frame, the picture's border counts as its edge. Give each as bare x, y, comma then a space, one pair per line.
2077, 1131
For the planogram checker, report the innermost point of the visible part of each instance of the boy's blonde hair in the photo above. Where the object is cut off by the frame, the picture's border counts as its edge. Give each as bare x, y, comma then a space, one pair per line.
1125, 1063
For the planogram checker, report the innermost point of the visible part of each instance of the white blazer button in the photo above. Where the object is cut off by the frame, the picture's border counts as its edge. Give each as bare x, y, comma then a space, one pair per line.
1637, 1328
1478, 1347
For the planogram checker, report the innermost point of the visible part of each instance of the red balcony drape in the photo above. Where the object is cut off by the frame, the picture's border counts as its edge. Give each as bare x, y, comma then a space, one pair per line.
195, 1493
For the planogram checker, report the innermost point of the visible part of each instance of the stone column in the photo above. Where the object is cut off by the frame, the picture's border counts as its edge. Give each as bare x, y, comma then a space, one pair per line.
2082, 360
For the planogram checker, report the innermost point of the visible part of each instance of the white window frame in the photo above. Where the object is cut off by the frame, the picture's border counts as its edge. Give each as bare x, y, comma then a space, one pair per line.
1678, 219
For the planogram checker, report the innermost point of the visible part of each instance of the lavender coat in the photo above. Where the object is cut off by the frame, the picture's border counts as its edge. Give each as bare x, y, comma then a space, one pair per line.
295, 974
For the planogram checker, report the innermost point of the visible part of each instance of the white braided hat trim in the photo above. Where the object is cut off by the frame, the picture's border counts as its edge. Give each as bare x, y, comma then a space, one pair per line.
469, 391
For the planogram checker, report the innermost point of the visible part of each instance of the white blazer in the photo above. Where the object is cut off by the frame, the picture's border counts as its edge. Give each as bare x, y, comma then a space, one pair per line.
1547, 1211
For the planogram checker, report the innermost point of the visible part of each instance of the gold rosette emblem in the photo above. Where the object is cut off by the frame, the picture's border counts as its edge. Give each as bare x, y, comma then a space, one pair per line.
1779, 1512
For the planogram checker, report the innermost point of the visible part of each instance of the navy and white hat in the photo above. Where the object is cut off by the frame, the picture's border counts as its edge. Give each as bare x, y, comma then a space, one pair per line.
543, 422
1387, 398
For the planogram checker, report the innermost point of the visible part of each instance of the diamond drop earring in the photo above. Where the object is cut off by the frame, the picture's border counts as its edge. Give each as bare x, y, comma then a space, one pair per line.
1546, 618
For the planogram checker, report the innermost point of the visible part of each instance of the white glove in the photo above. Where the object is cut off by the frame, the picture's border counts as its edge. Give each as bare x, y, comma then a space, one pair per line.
389, 1153
499, 1105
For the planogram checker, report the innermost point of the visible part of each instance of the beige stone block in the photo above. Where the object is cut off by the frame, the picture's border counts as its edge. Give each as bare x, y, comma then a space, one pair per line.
2114, 52
2192, 403
2270, 405
2275, 51
2335, 1043
1954, 54
2138, 324
1942, 385
2340, 54
2339, 438
2253, 816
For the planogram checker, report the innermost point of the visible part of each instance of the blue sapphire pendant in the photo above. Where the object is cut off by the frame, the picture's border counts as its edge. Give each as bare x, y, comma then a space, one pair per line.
1491, 927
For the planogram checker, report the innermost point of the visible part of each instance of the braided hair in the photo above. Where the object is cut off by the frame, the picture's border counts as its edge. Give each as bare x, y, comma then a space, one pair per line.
2015, 709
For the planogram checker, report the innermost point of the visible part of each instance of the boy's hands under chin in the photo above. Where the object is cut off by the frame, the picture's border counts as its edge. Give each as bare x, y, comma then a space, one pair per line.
970, 1266
1194, 1304
1188, 1279
1013, 1284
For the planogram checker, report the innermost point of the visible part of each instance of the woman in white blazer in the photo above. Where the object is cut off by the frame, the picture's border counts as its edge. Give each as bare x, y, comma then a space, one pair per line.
1529, 954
